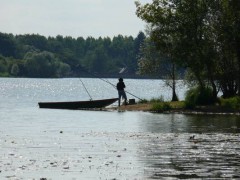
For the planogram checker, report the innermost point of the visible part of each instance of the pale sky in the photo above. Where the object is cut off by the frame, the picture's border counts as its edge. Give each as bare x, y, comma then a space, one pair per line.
71, 17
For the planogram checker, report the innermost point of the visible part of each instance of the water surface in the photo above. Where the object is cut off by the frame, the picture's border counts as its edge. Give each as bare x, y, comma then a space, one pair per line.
63, 144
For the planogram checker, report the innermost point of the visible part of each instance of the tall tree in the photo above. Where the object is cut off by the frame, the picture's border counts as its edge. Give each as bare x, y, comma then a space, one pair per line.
41, 65
162, 33
7, 45
197, 34
35, 40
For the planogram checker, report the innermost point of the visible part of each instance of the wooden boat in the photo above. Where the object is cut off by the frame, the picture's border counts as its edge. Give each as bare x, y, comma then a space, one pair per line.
78, 104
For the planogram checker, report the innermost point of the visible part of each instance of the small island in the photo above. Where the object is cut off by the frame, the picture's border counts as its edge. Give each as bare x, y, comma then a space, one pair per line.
229, 106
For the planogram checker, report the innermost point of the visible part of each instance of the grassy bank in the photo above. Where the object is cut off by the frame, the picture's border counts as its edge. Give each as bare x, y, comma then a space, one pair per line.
231, 105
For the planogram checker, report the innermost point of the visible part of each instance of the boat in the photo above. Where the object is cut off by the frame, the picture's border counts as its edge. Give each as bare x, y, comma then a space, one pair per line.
74, 105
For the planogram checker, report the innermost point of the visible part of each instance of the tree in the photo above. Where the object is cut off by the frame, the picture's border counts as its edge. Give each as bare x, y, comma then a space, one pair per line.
41, 65
227, 27
102, 55
15, 69
197, 34
7, 45
163, 37
154, 63
3, 66
63, 70
35, 40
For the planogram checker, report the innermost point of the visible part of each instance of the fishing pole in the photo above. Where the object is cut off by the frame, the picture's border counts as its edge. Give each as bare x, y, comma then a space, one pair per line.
124, 90
86, 89
110, 83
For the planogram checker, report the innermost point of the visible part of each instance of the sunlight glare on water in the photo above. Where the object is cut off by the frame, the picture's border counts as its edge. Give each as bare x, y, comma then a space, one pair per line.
63, 144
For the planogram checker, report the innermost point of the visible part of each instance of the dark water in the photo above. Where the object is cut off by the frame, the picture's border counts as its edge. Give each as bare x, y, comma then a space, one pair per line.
61, 144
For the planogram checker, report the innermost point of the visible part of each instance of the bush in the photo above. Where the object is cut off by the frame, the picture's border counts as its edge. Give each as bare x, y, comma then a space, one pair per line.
153, 100
160, 107
190, 101
231, 103
143, 101
157, 100
199, 96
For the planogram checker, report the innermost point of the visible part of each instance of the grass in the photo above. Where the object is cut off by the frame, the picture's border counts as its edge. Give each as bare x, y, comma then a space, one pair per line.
230, 103
167, 106
158, 105
153, 100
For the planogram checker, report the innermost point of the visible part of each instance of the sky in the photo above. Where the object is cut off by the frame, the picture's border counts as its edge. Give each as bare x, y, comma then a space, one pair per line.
76, 18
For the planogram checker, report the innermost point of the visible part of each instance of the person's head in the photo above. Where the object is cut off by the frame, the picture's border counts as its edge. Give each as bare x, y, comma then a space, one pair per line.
120, 79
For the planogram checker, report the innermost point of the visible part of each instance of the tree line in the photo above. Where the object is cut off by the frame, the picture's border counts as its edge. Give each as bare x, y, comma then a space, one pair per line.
33, 55
200, 36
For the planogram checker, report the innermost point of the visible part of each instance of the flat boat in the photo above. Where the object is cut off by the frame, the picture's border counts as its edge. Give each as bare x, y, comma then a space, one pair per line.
78, 104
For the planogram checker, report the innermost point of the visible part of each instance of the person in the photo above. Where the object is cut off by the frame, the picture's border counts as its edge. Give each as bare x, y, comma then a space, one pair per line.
121, 92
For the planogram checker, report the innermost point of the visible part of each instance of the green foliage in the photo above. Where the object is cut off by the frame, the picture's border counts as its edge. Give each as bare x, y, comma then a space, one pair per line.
63, 69
104, 56
7, 45
152, 100
34, 40
199, 96
15, 69
143, 101
41, 65
202, 36
157, 100
160, 106
231, 103
3, 66
190, 99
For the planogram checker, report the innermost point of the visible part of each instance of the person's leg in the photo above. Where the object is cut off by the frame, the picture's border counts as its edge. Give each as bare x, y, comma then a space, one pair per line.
119, 98
125, 98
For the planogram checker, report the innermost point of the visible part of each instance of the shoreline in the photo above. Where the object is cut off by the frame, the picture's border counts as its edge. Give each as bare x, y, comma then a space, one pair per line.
203, 110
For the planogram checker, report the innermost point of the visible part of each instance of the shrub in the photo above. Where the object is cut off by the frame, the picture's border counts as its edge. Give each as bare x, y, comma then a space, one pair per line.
190, 101
157, 100
160, 106
231, 103
199, 96
142, 101
153, 100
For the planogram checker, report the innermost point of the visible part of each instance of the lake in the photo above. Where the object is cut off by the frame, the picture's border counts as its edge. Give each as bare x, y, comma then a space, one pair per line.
75, 144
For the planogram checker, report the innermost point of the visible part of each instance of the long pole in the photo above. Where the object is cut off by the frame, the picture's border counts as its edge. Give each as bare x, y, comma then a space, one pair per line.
124, 90
112, 84
86, 90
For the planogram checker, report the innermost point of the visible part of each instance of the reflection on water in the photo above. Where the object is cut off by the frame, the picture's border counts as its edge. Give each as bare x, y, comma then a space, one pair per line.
179, 123
62, 144
206, 156
191, 147
106, 145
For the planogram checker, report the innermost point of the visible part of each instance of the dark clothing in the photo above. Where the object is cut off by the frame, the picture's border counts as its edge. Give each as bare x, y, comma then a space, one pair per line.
120, 86
121, 92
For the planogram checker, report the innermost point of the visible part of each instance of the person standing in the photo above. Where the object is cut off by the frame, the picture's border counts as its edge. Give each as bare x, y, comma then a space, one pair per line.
121, 92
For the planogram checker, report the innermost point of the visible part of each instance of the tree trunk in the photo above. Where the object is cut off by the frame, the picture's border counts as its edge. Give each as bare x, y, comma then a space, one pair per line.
213, 84
238, 58
236, 11
174, 95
